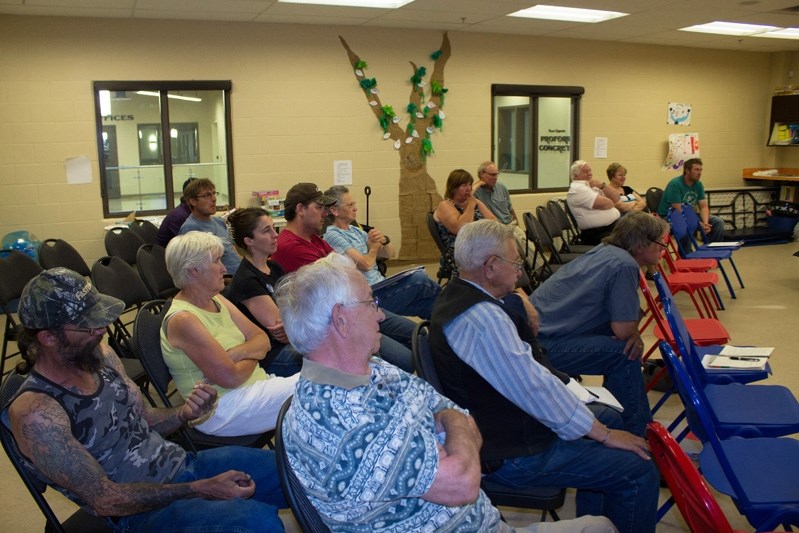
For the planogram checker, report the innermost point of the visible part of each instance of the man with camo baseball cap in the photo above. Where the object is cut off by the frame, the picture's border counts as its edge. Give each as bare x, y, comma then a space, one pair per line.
59, 296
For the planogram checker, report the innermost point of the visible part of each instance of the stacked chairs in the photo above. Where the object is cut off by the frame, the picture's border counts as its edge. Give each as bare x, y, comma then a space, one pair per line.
683, 237
555, 230
758, 473
568, 227
15, 272
123, 242
59, 253
546, 499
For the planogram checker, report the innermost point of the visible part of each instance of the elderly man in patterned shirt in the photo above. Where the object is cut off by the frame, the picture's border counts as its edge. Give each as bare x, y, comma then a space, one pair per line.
375, 448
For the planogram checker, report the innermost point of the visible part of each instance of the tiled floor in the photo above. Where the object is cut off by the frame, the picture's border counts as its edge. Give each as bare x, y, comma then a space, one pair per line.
764, 314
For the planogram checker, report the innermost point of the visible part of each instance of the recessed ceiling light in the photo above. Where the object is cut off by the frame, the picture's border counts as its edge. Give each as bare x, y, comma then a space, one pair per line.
382, 4
729, 28
570, 14
787, 33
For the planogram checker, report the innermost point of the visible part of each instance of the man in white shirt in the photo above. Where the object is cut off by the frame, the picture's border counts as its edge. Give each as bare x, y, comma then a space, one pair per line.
591, 203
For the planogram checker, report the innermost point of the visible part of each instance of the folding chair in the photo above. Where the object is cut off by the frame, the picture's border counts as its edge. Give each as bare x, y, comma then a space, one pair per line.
759, 474
151, 264
555, 231
653, 196
146, 230
16, 271
59, 253
682, 235
678, 264
123, 243
570, 230
305, 513
432, 226
147, 344
547, 499
695, 284
79, 522
694, 226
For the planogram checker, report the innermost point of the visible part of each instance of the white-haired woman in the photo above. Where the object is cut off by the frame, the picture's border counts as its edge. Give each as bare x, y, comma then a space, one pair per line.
204, 337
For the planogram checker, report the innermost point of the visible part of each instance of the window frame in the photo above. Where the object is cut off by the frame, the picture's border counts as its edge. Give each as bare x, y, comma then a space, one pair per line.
163, 87
534, 92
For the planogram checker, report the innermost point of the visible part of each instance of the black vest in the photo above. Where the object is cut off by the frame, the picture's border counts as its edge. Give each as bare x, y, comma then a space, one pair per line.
507, 430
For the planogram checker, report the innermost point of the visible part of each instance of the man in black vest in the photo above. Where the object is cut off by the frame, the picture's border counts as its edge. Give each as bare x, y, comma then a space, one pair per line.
535, 431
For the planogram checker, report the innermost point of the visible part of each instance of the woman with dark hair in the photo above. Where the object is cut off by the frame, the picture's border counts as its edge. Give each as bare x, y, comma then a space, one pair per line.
253, 286
457, 209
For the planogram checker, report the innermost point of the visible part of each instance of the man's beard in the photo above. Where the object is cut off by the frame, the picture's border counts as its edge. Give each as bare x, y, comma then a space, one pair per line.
84, 357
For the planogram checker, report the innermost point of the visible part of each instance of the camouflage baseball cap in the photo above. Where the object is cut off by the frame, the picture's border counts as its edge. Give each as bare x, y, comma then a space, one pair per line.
61, 296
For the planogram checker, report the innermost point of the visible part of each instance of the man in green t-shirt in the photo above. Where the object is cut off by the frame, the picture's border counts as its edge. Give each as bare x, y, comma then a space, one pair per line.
687, 189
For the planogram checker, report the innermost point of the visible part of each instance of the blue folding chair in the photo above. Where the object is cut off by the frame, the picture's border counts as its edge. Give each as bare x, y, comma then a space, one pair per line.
683, 237
759, 474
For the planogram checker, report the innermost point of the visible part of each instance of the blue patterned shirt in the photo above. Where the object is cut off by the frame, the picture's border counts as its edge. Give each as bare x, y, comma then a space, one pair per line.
366, 451
343, 239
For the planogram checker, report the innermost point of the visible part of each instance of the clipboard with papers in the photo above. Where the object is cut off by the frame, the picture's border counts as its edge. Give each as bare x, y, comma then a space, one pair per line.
731, 358
594, 394
399, 276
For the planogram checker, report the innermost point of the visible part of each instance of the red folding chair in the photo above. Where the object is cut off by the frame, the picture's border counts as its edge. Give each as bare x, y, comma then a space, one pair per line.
678, 264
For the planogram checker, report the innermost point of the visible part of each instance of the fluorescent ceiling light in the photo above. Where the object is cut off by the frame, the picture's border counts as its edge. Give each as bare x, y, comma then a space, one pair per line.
730, 28
787, 33
170, 95
382, 4
570, 14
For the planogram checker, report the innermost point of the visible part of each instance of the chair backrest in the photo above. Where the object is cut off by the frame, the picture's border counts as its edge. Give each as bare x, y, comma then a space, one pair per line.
432, 227
423, 356
306, 514
700, 420
696, 503
653, 307
147, 344
122, 242
680, 230
693, 224
151, 264
59, 253
679, 331
146, 230
552, 230
115, 277
534, 231
16, 271
653, 197
560, 215
80, 521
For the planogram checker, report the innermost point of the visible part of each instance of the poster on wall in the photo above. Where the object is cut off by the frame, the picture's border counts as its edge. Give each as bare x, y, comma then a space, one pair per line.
682, 146
679, 114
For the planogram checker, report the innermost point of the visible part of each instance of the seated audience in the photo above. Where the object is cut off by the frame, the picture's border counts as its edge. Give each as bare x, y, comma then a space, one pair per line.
592, 203
205, 338
252, 289
589, 312
173, 220
83, 427
299, 244
629, 200
533, 426
377, 449
411, 296
201, 198
457, 209
493, 193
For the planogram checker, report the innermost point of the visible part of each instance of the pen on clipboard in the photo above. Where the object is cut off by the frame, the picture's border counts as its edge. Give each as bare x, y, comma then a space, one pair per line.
740, 358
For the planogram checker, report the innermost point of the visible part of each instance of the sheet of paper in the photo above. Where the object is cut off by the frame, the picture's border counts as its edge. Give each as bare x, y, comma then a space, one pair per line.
79, 170
726, 244
342, 172
746, 351
600, 147
748, 363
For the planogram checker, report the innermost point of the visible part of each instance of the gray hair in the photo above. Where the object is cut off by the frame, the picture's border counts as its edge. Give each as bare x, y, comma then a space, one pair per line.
484, 166
337, 192
635, 231
195, 249
306, 299
576, 167
478, 241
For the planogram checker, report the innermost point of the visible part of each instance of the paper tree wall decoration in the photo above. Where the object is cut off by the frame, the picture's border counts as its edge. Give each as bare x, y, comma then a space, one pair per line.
424, 116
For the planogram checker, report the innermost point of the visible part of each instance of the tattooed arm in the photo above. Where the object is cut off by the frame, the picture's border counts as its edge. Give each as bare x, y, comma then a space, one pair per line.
164, 420
42, 431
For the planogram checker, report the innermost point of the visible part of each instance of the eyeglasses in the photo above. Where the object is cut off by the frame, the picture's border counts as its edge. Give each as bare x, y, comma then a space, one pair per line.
661, 244
517, 264
350, 204
207, 195
90, 331
492, 173
374, 303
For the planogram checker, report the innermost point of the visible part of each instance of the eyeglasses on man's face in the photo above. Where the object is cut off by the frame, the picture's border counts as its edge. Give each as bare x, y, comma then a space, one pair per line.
516, 264
493, 174
374, 303
659, 243
90, 331
207, 195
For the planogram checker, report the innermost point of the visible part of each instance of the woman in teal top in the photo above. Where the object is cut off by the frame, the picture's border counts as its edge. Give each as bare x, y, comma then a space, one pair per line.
206, 338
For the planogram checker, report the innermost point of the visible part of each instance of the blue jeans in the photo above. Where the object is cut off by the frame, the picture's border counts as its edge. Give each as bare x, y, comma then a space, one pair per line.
411, 296
613, 483
716, 228
197, 515
287, 362
395, 344
602, 355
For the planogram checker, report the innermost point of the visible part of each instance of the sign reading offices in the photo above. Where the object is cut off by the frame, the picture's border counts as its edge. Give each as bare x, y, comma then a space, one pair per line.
555, 141
115, 118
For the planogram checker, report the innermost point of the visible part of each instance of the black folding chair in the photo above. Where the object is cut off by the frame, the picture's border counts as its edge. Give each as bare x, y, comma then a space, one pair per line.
151, 265
547, 499
122, 242
16, 271
79, 522
653, 196
147, 344
146, 230
306, 514
59, 253
432, 226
